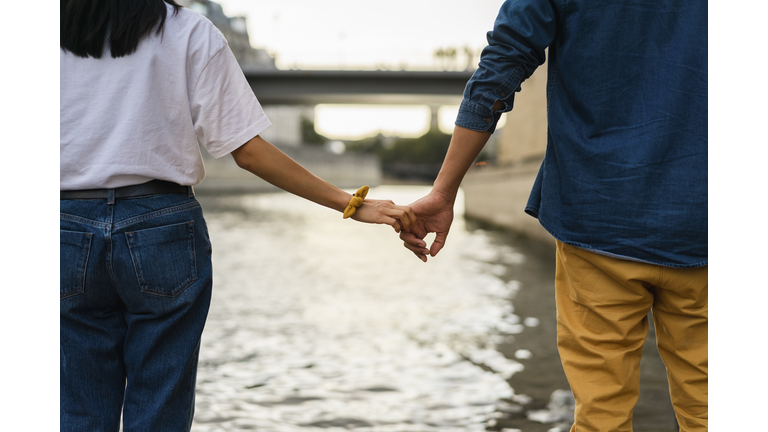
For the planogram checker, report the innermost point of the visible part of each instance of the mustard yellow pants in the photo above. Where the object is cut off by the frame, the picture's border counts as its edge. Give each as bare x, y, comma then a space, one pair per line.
602, 323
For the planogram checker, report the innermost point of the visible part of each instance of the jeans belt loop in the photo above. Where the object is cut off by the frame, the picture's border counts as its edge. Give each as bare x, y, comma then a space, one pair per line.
110, 196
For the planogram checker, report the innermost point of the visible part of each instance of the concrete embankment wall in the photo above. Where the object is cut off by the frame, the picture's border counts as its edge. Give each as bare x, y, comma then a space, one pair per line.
498, 195
347, 171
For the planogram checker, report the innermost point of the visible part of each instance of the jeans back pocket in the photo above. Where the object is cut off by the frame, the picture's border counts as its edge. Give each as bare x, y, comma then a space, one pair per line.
164, 258
74, 248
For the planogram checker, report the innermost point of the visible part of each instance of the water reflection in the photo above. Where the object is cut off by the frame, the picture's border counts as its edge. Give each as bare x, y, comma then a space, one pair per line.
320, 323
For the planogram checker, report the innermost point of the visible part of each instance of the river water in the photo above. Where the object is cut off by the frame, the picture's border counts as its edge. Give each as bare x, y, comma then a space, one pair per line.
324, 324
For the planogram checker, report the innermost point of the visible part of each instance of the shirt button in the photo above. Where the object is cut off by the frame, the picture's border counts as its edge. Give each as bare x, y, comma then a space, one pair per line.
489, 120
503, 94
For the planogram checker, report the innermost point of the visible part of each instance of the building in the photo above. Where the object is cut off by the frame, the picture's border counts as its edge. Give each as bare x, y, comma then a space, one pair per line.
235, 29
286, 120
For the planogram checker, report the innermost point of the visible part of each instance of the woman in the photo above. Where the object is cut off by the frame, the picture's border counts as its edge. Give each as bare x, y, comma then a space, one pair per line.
141, 82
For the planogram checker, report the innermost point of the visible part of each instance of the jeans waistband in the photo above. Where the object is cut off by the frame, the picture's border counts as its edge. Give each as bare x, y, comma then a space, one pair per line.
153, 187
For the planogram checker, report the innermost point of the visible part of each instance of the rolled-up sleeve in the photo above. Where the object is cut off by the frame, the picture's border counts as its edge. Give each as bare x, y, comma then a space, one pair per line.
516, 47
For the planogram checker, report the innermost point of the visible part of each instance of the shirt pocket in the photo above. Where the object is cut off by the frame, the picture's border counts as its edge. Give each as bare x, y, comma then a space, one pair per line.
164, 258
74, 249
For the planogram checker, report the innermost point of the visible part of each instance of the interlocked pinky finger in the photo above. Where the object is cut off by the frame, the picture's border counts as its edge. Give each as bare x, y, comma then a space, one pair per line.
401, 216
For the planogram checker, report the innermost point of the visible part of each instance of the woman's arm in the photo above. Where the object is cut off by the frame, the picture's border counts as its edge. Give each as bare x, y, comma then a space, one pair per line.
266, 161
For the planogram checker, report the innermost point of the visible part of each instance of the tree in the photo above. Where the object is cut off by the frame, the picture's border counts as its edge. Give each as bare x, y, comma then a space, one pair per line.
309, 135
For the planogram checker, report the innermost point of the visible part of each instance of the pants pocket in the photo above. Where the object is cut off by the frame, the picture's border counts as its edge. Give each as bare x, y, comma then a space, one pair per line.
164, 258
74, 248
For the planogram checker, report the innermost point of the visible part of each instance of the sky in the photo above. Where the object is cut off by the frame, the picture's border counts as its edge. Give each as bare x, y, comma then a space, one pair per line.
357, 34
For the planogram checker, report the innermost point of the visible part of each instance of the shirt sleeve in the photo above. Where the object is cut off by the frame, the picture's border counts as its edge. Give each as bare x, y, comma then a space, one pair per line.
516, 47
225, 112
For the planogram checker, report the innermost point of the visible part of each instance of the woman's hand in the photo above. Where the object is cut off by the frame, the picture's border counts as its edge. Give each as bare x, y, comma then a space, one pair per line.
385, 212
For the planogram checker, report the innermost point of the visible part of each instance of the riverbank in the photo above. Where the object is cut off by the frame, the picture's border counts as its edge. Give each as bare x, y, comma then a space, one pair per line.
349, 170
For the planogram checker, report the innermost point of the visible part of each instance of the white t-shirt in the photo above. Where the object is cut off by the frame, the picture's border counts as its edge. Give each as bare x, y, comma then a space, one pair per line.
128, 120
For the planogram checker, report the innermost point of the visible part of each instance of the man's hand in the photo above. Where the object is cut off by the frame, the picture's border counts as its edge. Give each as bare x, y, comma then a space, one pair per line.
434, 213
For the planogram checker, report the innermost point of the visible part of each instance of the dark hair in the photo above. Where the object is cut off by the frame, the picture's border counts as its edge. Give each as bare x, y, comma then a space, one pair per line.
86, 25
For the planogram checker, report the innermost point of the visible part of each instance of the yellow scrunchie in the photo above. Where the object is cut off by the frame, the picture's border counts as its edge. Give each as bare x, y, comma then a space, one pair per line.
356, 201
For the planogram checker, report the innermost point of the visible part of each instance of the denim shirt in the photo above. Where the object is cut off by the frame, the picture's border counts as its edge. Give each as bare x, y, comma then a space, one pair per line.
625, 171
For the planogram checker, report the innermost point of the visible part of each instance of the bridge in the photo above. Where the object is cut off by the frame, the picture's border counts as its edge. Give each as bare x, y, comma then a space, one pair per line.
311, 87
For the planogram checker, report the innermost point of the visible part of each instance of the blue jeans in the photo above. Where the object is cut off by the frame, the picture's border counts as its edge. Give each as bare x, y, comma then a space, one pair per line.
136, 281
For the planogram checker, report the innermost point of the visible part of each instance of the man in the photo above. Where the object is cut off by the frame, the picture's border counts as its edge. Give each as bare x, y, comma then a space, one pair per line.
623, 187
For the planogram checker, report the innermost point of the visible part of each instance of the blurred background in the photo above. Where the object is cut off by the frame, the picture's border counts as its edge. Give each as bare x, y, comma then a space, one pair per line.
323, 324
377, 84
